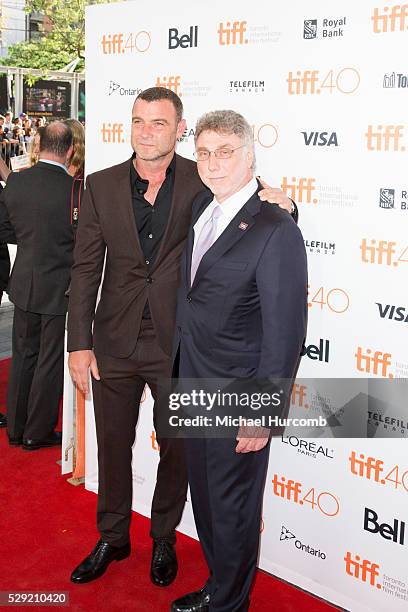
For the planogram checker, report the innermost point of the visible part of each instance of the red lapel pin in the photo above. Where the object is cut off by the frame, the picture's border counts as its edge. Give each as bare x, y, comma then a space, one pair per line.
242, 225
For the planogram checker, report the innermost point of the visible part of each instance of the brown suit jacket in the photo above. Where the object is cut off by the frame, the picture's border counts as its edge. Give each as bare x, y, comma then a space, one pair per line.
107, 224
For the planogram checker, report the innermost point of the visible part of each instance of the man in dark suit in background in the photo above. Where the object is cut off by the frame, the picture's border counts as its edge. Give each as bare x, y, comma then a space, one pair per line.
4, 278
138, 213
241, 313
35, 214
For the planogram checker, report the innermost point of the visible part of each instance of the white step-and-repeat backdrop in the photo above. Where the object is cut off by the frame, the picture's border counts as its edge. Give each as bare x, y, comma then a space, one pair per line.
325, 86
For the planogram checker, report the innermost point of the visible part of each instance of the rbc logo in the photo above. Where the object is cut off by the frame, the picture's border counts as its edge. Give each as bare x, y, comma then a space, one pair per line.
184, 41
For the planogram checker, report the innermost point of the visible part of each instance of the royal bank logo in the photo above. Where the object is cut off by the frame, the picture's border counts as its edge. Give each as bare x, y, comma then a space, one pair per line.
310, 28
395, 80
387, 198
287, 535
247, 86
116, 88
393, 199
325, 28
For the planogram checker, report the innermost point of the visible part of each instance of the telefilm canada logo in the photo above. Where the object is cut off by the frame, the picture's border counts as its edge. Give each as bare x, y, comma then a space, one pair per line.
324, 28
287, 536
116, 88
246, 86
393, 199
320, 247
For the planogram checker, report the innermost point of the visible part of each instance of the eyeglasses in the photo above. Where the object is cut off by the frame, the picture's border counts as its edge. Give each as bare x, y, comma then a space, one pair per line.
224, 153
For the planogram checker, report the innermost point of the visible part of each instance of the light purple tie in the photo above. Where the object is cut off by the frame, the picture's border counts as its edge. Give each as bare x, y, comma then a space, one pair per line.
205, 240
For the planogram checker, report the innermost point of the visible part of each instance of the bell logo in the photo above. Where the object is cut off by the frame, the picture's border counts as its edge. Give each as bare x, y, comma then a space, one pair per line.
378, 363
184, 41
363, 570
232, 33
385, 138
394, 533
390, 21
112, 133
171, 82
320, 353
300, 191
379, 252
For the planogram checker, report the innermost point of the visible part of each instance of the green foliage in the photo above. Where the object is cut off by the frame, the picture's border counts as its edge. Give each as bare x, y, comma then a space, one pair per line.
62, 38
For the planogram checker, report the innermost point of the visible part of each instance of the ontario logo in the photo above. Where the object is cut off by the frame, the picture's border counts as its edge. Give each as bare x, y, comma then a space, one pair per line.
287, 535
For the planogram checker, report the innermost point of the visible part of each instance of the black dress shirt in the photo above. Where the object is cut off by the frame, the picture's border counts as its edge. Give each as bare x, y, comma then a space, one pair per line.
151, 220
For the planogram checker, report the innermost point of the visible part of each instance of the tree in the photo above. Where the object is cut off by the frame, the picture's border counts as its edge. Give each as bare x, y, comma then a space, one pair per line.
62, 38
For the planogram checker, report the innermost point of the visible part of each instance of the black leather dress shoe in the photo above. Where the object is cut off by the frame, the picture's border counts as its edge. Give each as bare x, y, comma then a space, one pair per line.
163, 568
96, 564
198, 601
3, 420
54, 439
15, 441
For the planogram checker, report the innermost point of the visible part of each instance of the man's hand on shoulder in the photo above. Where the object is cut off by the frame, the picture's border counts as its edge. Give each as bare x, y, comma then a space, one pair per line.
274, 195
79, 364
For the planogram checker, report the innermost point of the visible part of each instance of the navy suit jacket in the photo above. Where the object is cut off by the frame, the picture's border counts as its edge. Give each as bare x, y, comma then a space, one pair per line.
245, 314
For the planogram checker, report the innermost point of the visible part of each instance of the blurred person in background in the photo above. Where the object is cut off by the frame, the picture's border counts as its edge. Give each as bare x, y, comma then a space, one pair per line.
38, 283
8, 121
75, 166
4, 272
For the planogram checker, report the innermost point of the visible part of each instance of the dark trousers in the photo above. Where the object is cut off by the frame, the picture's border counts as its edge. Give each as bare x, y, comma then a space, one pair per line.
226, 494
36, 374
116, 398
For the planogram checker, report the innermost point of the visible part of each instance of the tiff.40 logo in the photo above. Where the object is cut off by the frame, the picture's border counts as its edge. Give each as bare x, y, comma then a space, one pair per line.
393, 18
382, 252
291, 490
345, 81
113, 44
374, 469
385, 138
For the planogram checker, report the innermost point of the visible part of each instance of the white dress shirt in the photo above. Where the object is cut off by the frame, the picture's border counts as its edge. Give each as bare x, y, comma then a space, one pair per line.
229, 208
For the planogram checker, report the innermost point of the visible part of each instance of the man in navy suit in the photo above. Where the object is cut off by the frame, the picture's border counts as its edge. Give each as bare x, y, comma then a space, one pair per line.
241, 314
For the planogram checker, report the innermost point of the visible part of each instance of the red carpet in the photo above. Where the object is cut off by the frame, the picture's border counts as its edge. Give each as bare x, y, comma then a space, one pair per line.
48, 525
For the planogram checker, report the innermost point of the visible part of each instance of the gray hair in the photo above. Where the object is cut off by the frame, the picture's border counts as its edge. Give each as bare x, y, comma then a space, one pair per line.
226, 122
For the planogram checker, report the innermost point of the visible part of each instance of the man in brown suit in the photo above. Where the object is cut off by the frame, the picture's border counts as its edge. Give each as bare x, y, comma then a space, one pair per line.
138, 213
